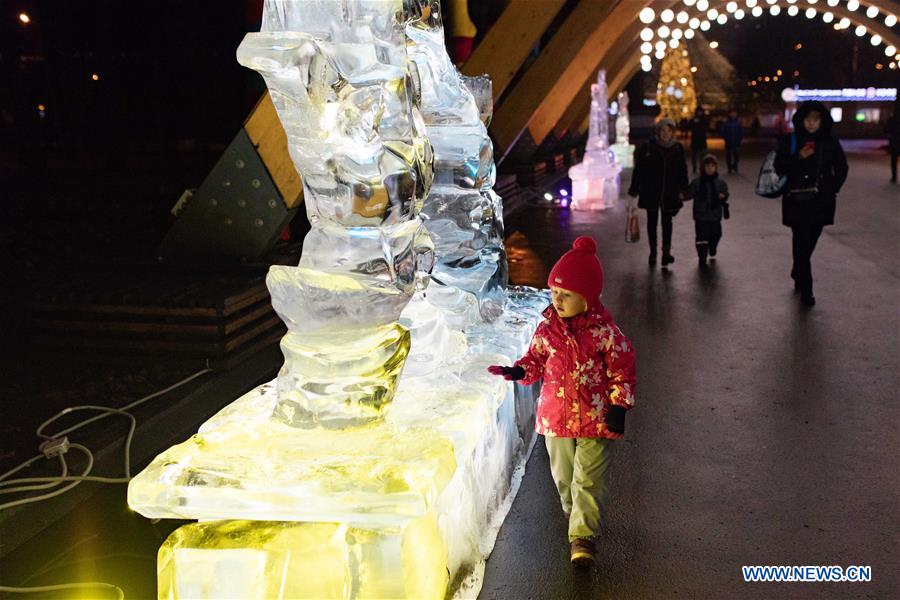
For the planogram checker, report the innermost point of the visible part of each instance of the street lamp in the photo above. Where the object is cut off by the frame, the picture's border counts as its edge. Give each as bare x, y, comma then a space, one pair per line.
24, 18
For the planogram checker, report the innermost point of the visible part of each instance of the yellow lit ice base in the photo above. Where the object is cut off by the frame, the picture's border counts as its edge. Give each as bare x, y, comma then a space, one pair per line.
244, 464
253, 559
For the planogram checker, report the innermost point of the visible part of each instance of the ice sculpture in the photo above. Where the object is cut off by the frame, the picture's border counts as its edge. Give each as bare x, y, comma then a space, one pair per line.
623, 150
345, 97
462, 213
382, 460
595, 181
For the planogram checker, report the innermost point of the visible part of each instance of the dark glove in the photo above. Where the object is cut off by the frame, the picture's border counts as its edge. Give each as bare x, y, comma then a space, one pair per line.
508, 373
615, 419
725, 212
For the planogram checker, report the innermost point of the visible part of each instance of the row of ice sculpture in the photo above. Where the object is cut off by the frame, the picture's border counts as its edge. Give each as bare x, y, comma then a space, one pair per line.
382, 460
595, 180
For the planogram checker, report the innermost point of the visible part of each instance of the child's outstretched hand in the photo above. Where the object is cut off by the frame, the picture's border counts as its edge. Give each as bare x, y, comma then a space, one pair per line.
508, 373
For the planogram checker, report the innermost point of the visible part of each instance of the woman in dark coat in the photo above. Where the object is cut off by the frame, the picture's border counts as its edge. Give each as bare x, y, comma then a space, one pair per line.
659, 181
815, 166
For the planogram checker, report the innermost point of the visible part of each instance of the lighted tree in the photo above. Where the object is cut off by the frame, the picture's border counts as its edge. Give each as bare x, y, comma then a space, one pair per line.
675, 93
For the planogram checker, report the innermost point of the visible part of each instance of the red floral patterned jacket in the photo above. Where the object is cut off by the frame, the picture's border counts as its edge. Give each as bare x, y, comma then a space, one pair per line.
586, 364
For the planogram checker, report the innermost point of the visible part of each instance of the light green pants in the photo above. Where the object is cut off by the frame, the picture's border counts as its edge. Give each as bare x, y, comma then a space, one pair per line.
579, 467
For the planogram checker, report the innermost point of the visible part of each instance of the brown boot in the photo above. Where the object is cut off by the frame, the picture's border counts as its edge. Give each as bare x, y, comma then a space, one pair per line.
583, 550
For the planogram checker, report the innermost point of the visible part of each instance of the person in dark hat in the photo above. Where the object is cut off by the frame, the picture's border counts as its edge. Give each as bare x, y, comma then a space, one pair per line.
816, 168
710, 195
659, 181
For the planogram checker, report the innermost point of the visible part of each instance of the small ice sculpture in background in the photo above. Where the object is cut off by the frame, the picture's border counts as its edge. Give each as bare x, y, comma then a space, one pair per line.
595, 181
462, 213
623, 150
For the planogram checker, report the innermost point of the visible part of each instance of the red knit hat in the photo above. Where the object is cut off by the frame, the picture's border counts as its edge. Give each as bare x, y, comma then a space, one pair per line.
579, 270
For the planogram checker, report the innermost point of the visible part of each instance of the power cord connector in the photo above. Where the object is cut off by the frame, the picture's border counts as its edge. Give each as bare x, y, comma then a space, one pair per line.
54, 447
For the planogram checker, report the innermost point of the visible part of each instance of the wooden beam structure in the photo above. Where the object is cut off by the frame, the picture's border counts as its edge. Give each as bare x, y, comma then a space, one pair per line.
578, 110
510, 40
267, 134
556, 75
534, 108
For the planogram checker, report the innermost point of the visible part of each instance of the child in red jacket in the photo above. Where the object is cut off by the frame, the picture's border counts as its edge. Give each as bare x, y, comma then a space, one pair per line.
588, 368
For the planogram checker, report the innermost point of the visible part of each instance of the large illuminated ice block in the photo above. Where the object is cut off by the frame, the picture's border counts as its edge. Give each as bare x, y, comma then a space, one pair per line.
452, 447
623, 149
462, 213
340, 78
595, 180
285, 560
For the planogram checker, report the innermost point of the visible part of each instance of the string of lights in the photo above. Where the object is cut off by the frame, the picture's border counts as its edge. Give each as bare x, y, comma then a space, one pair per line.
669, 27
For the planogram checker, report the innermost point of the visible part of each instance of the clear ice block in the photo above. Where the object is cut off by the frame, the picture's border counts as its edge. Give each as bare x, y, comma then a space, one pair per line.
339, 74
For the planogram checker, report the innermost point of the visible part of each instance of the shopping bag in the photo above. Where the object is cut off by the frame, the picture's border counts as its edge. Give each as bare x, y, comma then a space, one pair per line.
769, 184
632, 225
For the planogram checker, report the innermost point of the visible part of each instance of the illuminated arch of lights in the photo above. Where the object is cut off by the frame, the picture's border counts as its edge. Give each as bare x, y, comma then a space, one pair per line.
669, 28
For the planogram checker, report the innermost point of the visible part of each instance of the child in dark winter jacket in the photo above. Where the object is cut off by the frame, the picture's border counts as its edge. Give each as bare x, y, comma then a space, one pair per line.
588, 372
710, 195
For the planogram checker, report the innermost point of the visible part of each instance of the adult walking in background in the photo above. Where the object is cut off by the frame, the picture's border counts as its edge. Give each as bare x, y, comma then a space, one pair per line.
699, 128
892, 128
815, 166
659, 181
733, 134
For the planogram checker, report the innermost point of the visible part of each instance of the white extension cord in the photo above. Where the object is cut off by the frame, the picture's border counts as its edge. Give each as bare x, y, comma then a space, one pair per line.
56, 446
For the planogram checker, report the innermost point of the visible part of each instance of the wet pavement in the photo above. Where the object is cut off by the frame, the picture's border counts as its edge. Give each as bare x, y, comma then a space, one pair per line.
764, 434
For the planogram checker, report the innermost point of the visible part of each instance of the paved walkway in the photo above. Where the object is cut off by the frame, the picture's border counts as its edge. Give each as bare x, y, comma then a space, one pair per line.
764, 434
